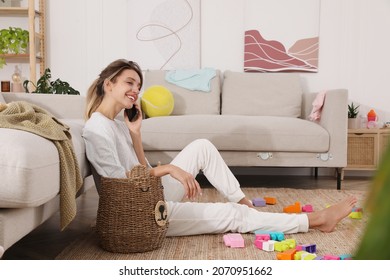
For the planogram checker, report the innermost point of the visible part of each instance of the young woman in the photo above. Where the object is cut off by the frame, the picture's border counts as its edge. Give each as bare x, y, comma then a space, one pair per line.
113, 147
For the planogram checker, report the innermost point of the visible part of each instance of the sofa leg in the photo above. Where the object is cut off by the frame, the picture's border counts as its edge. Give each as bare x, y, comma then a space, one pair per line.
338, 173
316, 172
1, 252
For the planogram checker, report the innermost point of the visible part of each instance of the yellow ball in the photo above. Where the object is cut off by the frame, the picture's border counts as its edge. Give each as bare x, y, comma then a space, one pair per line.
157, 101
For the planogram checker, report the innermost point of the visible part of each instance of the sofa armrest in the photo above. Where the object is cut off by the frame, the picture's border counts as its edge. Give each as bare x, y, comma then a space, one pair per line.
61, 106
334, 119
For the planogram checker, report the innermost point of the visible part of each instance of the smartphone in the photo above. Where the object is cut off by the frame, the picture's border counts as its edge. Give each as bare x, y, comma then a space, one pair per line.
132, 113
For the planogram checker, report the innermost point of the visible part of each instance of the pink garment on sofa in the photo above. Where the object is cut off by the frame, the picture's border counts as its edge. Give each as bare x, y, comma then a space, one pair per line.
317, 106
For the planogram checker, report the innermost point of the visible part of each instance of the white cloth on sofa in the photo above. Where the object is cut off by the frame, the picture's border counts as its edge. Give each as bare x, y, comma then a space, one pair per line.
192, 79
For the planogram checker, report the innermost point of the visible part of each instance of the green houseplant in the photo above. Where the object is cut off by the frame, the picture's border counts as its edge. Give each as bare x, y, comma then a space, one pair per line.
353, 112
45, 85
374, 243
13, 40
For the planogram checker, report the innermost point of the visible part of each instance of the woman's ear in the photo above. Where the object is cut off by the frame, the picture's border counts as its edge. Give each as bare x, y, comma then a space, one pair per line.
107, 85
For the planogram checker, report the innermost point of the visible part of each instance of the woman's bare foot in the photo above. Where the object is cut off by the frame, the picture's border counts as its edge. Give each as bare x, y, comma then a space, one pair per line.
327, 219
246, 202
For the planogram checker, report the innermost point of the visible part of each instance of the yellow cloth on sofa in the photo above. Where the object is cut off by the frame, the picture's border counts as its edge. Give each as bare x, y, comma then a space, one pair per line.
25, 116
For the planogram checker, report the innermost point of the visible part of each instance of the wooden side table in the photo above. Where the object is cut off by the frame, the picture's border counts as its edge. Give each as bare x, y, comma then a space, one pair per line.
365, 148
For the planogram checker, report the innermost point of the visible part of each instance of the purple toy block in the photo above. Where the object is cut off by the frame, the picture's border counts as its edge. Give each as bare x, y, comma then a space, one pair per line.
310, 248
258, 202
234, 240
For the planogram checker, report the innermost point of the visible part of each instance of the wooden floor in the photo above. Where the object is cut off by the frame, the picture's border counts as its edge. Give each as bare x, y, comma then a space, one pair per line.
47, 241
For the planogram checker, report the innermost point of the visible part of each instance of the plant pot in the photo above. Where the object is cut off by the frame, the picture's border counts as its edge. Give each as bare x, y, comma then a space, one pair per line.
353, 123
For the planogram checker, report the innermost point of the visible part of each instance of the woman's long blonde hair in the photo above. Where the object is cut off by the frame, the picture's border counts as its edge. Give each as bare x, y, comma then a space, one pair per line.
96, 90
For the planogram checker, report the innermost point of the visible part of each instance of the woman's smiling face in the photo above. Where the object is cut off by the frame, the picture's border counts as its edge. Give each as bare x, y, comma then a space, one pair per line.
126, 87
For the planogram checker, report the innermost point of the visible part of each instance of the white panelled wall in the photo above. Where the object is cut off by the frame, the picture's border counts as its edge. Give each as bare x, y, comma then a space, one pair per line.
85, 35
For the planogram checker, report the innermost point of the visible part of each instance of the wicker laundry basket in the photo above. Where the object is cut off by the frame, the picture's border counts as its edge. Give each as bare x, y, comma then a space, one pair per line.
132, 214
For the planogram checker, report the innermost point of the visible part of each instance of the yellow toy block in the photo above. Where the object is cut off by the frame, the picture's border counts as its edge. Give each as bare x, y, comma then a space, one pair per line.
298, 255
308, 256
356, 215
291, 243
281, 246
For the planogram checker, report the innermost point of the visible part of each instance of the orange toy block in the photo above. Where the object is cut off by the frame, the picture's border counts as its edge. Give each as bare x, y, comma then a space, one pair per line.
295, 208
270, 200
286, 255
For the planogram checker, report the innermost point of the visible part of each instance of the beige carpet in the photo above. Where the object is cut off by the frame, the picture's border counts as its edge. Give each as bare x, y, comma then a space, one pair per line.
344, 240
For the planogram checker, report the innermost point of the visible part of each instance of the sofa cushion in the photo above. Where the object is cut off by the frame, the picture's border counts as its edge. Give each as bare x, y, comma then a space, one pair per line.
29, 166
261, 94
235, 133
188, 101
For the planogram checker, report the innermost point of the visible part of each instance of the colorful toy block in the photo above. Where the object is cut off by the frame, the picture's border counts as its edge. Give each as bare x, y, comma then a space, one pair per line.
298, 254
258, 202
291, 243
309, 256
269, 246
263, 236
234, 240
295, 208
259, 243
345, 257
270, 200
276, 235
307, 208
331, 257
286, 255
281, 246
310, 248
357, 209
355, 215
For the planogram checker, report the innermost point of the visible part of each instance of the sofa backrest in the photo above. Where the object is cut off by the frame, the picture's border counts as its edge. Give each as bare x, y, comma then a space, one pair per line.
60, 105
261, 94
188, 102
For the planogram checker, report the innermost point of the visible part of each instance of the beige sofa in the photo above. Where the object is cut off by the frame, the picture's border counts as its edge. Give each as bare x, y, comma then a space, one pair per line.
29, 167
254, 119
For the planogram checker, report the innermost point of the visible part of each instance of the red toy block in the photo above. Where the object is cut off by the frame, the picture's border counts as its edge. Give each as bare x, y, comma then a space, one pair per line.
295, 208
259, 243
307, 208
234, 240
264, 237
357, 209
331, 257
270, 200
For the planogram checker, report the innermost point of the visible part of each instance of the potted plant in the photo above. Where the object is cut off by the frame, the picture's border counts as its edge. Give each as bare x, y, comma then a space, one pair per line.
353, 112
44, 85
13, 40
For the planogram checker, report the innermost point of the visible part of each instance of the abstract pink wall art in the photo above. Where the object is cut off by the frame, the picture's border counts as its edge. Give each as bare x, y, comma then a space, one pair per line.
283, 37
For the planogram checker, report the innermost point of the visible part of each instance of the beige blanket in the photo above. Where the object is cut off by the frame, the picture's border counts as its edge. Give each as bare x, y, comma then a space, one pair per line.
29, 117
